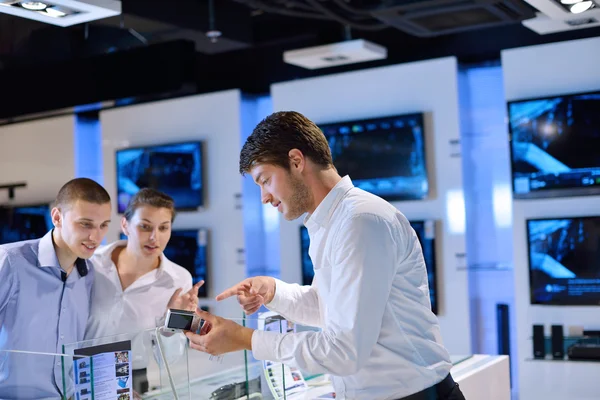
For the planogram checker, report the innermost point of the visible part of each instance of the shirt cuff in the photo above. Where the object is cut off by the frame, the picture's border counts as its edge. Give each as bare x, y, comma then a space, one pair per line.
281, 295
264, 344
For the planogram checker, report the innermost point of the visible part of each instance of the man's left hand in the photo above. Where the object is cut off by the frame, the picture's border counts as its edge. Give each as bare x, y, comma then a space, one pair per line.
224, 336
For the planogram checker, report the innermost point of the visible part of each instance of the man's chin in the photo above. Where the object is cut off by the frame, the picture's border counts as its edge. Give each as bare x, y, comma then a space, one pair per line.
84, 256
291, 217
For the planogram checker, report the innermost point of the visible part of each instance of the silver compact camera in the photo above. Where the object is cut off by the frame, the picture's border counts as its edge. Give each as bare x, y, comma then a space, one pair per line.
181, 320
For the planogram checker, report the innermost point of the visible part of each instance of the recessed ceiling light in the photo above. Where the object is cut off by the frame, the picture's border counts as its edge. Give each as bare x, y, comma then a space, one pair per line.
50, 11
581, 7
569, 2
55, 12
34, 5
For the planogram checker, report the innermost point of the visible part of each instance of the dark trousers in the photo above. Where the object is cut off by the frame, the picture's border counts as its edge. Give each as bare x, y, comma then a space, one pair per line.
447, 389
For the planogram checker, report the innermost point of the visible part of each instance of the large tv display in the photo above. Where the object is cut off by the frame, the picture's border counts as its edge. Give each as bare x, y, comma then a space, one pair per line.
175, 169
425, 230
189, 248
24, 222
555, 146
564, 261
384, 156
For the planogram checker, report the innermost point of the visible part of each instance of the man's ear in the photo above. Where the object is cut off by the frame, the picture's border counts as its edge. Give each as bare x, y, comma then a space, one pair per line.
297, 160
56, 217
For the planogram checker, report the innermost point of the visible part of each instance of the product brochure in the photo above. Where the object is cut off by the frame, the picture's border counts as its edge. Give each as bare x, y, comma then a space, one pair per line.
104, 373
281, 378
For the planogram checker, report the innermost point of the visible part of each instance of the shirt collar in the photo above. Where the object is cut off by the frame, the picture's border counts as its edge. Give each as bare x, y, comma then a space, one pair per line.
46, 252
104, 255
322, 214
47, 255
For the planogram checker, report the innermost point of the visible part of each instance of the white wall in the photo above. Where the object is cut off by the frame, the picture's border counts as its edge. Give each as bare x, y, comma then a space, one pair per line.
215, 119
40, 153
536, 71
430, 87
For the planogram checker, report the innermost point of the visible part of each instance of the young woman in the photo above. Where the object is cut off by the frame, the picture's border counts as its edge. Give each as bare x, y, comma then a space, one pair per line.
135, 283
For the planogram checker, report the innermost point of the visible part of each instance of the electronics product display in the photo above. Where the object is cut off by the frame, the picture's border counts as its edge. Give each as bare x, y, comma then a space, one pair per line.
239, 390
555, 146
182, 320
539, 342
384, 156
425, 230
283, 381
564, 261
558, 342
585, 349
24, 222
175, 169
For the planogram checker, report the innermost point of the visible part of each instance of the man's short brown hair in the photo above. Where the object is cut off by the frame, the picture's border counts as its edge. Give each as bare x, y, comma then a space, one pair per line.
81, 189
274, 137
149, 197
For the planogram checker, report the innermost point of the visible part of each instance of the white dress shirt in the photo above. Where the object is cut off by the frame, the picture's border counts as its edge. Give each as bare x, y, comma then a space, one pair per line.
370, 296
137, 308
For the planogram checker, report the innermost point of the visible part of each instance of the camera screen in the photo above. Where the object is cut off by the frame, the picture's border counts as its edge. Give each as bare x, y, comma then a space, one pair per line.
183, 322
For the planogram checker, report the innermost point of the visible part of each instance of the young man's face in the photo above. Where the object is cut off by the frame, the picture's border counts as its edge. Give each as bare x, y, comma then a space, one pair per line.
283, 189
82, 226
149, 230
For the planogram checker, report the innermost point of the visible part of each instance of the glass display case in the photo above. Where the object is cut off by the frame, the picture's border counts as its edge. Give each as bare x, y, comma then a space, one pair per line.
159, 364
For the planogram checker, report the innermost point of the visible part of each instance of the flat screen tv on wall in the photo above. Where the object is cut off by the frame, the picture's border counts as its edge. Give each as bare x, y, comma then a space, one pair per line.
384, 156
564, 261
24, 222
425, 230
555, 146
175, 169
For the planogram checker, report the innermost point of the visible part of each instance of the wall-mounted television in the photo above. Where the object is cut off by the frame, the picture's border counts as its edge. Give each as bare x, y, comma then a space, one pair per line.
24, 222
189, 248
175, 169
555, 146
425, 230
384, 156
564, 261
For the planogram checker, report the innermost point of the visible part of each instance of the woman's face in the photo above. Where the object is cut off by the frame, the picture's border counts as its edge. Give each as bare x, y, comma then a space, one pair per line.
149, 230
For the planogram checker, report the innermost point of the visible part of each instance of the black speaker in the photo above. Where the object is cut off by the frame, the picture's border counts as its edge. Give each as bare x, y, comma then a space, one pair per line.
558, 342
539, 345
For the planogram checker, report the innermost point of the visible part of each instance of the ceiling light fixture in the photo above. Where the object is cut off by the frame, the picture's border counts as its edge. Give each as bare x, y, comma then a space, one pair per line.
34, 5
569, 2
581, 7
62, 12
55, 12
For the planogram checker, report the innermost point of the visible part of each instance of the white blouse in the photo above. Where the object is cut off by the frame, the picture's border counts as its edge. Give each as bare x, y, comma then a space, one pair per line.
137, 308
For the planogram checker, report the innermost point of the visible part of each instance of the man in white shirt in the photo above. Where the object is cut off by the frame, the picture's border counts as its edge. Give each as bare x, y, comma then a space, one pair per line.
370, 296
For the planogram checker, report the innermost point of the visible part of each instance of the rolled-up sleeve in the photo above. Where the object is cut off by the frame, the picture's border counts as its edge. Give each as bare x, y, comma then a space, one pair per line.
363, 266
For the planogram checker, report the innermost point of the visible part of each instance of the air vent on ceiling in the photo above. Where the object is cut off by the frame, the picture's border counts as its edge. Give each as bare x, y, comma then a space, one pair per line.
335, 54
438, 17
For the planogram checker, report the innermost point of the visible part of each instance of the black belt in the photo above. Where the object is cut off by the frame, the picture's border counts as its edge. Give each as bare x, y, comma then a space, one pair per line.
439, 391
